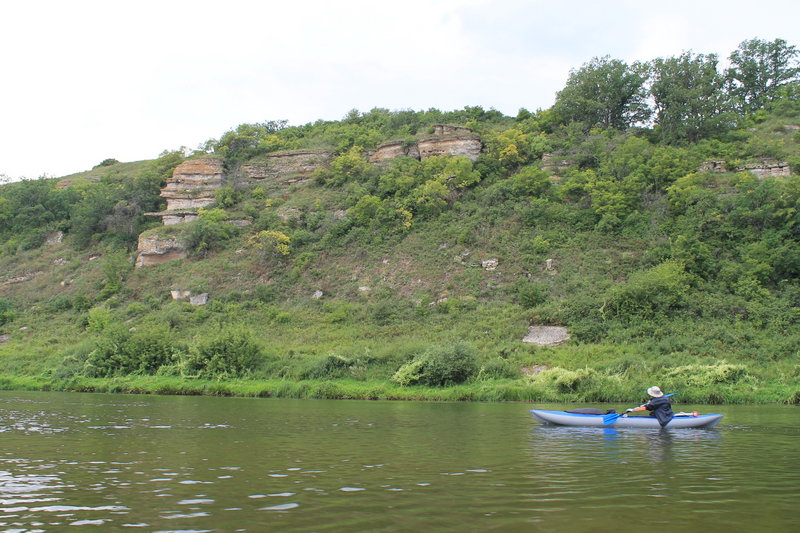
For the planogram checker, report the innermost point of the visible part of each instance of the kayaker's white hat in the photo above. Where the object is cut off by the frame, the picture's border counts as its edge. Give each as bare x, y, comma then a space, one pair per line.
655, 392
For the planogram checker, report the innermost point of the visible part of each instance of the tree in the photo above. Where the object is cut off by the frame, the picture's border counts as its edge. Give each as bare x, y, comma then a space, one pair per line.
690, 103
759, 69
606, 93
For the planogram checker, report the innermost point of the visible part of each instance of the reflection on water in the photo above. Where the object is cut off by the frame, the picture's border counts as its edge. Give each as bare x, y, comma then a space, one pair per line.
71, 461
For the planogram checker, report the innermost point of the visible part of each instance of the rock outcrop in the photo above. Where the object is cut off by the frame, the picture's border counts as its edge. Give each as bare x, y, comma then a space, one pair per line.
765, 168
295, 166
193, 184
456, 144
546, 335
446, 140
155, 250
768, 168
391, 150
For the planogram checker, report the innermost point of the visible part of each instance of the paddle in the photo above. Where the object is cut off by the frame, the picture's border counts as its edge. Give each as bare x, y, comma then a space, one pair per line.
610, 418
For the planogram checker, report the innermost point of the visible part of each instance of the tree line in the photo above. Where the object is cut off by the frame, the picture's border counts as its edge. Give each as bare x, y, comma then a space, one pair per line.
686, 97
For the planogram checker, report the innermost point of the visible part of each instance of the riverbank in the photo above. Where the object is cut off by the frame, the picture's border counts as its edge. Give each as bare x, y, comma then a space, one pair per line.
491, 391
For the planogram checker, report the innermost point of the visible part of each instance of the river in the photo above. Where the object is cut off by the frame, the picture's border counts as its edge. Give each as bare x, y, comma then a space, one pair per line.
97, 462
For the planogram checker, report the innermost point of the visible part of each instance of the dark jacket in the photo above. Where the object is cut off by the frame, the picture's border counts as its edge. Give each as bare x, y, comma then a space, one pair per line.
661, 409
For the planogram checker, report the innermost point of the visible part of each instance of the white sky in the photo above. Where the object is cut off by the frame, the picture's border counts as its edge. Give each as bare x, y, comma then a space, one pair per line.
83, 80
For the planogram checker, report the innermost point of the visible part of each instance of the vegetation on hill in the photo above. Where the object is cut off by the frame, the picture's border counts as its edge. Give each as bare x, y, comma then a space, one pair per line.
662, 272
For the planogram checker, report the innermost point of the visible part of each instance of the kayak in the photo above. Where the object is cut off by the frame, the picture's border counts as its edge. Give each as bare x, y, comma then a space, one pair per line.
563, 418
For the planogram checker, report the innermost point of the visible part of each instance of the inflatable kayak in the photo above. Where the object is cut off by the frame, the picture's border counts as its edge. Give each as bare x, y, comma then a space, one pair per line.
564, 418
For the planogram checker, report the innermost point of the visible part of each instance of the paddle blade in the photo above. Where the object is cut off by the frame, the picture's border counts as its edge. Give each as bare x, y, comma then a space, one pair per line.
610, 418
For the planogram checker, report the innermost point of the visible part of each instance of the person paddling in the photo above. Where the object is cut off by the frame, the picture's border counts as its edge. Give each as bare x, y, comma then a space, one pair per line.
659, 406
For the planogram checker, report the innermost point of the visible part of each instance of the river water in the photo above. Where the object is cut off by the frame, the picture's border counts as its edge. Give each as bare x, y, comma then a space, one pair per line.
96, 462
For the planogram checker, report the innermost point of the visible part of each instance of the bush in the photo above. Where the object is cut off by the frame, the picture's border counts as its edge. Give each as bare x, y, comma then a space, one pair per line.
6, 311
652, 291
210, 232
233, 353
119, 351
498, 368
330, 366
528, 294
444, 365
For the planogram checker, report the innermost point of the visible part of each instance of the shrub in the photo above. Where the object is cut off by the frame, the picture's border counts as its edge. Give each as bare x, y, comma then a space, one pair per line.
705, 375
6, 311
209, 232
652, 291
119, 351
330, 366
529, 294
271, 242
135, 309
443, 365
498, 368
99, 318
233, 353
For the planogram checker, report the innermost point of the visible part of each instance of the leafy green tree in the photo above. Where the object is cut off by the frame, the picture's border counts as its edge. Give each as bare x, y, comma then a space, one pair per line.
249, 140
604, 92
513, 147
759, 69
690, 102
346, 167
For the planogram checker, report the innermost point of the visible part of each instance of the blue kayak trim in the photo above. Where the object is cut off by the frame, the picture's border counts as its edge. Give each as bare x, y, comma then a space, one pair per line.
563, 418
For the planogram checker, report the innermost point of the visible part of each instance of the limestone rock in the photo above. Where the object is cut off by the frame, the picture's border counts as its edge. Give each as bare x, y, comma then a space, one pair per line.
199, 299
546, 335
490, 264
768, 168
155, 250
294, 166
391, 150
317, 295
458, 144
53, 237
193, 184
713, 166
170, 219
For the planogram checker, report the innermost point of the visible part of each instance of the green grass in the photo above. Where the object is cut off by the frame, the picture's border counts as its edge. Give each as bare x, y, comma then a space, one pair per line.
495, 390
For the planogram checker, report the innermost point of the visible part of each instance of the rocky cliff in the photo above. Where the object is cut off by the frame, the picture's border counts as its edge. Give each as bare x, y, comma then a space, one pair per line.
446, 140
287, 167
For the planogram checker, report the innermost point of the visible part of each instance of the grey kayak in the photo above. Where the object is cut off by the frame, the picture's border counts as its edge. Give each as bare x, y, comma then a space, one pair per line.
563, 418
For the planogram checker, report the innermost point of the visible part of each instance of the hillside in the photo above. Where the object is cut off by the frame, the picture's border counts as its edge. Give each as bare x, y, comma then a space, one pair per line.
403, 254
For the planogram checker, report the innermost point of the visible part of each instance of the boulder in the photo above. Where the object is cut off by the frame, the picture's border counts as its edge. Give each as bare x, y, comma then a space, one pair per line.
199, 299
155, 250
546, 335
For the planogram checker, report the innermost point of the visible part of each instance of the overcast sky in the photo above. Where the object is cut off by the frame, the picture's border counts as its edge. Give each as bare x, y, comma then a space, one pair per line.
82, 81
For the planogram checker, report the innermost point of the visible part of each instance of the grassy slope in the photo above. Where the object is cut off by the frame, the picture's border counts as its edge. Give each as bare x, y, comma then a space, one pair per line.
393, 320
